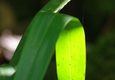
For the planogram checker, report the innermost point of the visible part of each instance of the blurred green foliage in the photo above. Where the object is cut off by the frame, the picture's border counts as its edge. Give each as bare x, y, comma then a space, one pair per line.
101, 58
99, 6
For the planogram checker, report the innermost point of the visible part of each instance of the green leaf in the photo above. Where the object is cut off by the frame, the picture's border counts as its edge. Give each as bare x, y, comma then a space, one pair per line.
70, 52
37, 45
39, 42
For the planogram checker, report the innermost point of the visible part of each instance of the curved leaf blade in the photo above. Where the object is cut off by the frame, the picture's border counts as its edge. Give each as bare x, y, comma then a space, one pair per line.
70, 52
39, 44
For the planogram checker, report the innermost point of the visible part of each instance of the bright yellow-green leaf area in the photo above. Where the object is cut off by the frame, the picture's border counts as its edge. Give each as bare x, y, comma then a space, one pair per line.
70, 54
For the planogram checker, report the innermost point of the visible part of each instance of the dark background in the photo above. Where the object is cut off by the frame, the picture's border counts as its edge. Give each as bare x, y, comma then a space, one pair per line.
97, 17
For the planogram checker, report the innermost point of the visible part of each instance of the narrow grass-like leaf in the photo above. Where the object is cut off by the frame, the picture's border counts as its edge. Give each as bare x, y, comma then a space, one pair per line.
70, 52
39, 46
36, 48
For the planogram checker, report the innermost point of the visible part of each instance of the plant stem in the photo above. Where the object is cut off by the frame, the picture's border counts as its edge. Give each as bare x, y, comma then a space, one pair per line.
54, 6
